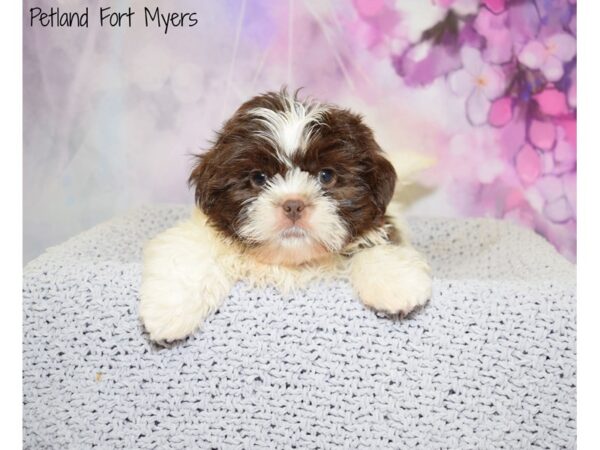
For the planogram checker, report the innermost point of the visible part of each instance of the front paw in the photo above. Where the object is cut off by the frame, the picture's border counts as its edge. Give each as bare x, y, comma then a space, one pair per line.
393, 279
172, 310
182, 283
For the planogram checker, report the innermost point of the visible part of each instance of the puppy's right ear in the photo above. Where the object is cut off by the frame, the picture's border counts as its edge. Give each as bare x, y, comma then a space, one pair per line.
203, 180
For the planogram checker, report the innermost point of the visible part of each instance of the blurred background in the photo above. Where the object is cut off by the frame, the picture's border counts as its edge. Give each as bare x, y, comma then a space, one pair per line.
486, 89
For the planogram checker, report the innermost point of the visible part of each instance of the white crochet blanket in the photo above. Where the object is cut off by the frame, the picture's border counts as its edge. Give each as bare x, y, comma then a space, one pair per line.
488, 363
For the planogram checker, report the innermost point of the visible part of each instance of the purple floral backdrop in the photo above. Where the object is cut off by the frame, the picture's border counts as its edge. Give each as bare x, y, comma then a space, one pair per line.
486, 88
512, 64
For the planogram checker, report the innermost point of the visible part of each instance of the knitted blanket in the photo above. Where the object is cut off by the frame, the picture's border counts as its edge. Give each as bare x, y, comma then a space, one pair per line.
489, 363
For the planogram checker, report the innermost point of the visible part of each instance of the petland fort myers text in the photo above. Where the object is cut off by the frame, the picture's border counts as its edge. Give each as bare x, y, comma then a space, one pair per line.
110, 17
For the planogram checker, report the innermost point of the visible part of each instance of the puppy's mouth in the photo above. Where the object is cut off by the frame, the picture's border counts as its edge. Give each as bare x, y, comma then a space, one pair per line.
293, 232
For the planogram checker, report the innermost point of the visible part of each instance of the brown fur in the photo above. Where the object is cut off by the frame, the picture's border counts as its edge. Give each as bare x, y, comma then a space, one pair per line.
363, 186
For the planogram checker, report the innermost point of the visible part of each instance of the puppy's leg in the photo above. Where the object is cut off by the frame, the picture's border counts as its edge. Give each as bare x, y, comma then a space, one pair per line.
182, 282
391, 278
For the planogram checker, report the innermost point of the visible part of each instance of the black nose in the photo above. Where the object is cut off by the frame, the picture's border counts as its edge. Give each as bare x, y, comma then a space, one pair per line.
293, 209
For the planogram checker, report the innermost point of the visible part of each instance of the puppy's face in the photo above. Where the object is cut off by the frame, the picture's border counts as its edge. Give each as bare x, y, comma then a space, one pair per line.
292, 180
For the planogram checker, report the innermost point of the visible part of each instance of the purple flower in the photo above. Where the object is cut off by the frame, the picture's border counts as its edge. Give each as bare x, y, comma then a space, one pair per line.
506, 31
555, 202
424, 62
524, 22
549, 54
479, 82
498, 36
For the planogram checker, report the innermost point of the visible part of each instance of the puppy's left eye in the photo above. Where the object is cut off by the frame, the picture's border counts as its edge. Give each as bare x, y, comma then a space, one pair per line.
326, 177
258, 178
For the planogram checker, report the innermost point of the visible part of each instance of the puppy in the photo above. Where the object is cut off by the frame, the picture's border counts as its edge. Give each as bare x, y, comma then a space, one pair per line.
292, 191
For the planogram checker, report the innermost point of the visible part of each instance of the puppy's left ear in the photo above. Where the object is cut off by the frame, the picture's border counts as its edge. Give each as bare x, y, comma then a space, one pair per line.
383, 181
202, 180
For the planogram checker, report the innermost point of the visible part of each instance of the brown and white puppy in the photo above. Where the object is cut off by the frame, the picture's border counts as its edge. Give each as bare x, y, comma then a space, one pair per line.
291, 191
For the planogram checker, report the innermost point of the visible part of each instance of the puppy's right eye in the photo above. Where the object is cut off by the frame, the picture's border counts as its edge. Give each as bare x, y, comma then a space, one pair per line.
258, 178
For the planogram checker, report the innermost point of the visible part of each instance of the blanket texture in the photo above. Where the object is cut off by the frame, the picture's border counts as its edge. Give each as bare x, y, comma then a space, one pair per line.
488, 363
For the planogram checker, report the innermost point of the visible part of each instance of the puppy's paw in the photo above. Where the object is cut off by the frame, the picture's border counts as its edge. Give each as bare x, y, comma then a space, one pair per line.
393, 279
171, 310
182, 283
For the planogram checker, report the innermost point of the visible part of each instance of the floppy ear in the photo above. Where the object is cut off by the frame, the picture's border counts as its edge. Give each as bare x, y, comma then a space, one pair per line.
203, 180
383, 181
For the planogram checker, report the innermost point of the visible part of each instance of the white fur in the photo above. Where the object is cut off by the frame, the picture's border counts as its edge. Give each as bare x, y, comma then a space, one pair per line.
190, 268
182, 281
390, 278
289, 131
321, 223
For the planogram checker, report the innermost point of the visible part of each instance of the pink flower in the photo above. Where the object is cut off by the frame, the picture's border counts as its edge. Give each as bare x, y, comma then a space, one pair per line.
500, 112
549, 55
496, 6
542, 134
552, 102
553, 193
506, 31
565, 153
498, 35
528, 164
479, 82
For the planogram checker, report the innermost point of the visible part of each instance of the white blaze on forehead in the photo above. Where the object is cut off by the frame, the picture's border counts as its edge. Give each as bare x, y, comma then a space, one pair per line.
261, 223
296, 183
289, 130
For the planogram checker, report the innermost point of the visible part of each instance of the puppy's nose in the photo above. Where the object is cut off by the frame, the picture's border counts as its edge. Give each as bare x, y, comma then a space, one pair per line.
293, 209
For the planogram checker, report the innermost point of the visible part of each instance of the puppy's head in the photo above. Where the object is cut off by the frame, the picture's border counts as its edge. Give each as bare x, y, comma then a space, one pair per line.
293, 180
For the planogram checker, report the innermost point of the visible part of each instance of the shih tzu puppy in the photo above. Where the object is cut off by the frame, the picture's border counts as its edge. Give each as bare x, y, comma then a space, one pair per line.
292, 190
